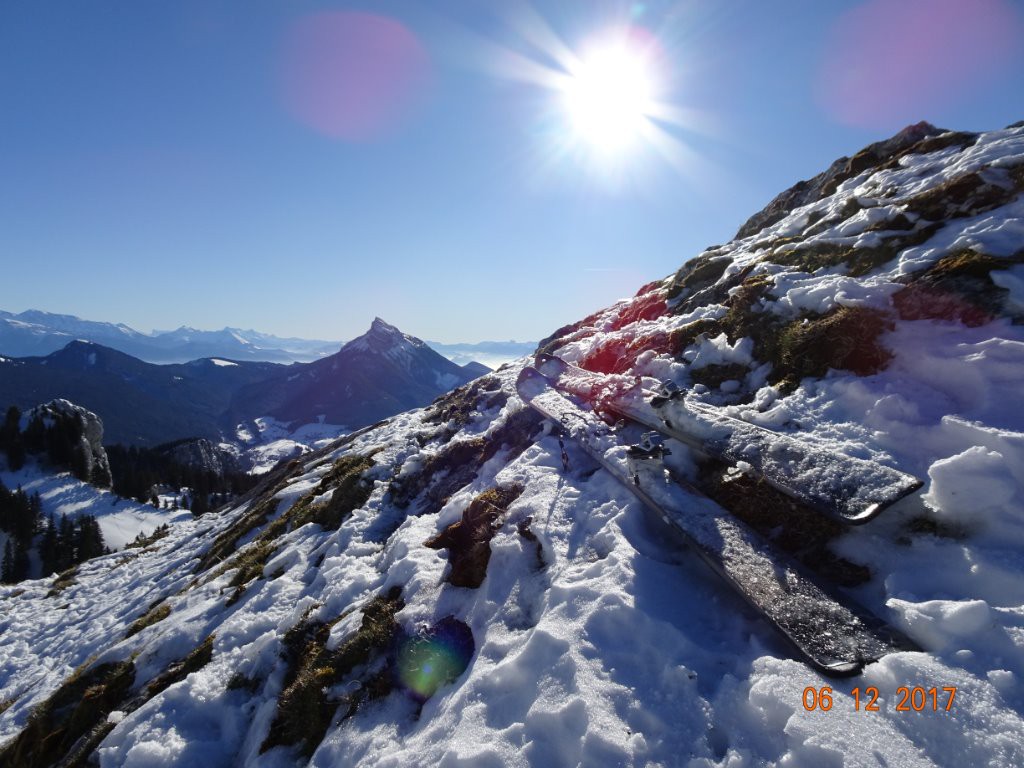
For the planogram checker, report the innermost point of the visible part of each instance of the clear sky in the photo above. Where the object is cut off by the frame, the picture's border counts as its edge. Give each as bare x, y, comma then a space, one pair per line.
299, 167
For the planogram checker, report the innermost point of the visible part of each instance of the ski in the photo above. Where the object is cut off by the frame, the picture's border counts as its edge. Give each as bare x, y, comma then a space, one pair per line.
850, 490
834, 638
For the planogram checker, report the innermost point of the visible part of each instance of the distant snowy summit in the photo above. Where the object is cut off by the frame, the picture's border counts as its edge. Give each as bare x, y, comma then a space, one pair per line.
385, 339
376, 375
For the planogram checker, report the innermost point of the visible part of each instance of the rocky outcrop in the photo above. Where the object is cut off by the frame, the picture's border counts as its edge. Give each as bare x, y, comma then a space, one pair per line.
918, 138
200, 454
88, 458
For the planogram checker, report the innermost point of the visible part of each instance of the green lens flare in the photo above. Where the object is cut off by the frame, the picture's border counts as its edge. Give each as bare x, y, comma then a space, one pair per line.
435, 658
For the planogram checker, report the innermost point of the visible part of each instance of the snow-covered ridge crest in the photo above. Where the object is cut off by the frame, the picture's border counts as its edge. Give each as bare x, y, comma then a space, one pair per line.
304, 625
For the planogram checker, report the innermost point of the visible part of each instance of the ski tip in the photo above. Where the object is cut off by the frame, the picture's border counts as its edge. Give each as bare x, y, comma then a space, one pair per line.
871, 511
840, 668
530, 383
551, 365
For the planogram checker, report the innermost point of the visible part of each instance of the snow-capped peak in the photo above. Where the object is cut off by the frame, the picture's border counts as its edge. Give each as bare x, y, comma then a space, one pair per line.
382, 328
383, 338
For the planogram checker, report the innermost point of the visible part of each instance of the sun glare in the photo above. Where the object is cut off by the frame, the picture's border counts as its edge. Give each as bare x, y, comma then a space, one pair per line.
609, 97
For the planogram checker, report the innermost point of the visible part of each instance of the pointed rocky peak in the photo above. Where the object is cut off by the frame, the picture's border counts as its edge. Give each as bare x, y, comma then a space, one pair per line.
382, 328
383, 338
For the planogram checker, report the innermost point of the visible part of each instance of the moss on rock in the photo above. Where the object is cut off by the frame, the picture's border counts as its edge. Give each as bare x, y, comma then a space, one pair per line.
304, 708
80, 705
458, 406
351, 490
958, 287
157, 613
454, 466
468, 540
227, 542
713, 376
846, 338
199, 657
966, 195
63, 580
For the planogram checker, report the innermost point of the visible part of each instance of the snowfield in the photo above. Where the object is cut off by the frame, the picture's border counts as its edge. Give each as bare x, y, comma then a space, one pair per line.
272, 441
120, 520
595, 640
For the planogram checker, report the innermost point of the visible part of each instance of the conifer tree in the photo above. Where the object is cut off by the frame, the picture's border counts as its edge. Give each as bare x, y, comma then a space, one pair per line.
65, 544
48, 547
21, 562
34, 436
10, 439
7, 567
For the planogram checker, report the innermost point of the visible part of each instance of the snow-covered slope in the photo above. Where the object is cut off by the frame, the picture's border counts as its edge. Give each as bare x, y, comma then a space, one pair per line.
264, 442
437, 590
120, 520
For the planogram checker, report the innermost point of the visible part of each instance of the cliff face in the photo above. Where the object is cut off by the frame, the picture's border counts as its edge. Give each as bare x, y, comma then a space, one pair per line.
439, 589
201, 454
88, 448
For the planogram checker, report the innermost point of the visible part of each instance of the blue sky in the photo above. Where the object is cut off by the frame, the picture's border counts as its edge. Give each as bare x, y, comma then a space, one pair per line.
155, 168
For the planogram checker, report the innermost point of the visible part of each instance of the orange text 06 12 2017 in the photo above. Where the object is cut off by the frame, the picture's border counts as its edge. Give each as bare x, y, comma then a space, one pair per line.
908, 699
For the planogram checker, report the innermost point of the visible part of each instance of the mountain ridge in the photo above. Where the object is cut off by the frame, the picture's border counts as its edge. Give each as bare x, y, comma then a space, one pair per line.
149, 404
37, 333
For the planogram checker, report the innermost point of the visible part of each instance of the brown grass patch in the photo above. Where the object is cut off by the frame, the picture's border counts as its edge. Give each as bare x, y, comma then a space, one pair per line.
157, 613
304, 711
468, 540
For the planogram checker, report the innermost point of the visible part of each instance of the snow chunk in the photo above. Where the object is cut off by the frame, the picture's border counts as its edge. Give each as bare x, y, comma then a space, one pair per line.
798, 291
971, 486
936, 623
1012, 280
718, 351
222, 363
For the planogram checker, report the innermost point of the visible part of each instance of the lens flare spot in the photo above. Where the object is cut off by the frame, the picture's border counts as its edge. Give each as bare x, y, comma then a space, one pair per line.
352, 76
435, 658
887, 64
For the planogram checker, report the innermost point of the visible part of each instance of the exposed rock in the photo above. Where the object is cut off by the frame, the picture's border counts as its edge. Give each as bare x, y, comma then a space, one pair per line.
913, 138
89, 428
201, 454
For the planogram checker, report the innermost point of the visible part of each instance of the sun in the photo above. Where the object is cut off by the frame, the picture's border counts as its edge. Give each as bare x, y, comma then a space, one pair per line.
609, 96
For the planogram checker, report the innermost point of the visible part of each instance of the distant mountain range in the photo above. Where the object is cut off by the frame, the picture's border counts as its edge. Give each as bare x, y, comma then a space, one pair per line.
376, 375
40, 333
36, 333
493, 354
